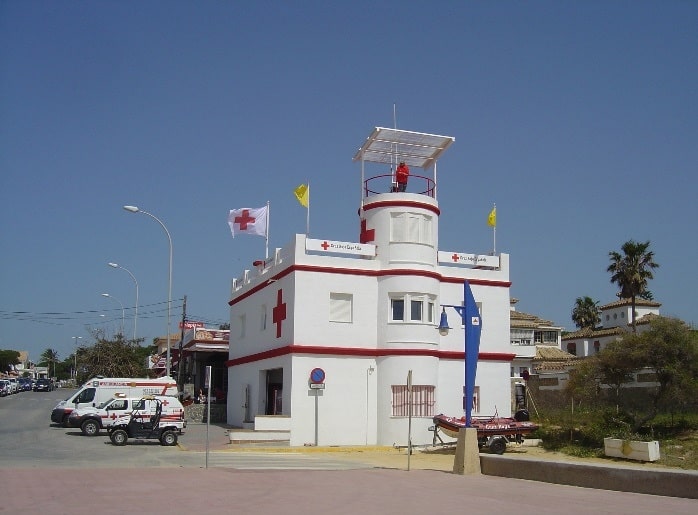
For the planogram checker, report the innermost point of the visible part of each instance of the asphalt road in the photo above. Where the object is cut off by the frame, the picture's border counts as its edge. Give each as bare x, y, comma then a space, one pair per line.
50, 469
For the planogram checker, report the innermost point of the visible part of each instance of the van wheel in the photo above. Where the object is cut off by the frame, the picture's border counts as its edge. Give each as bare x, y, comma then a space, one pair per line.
498, 446
168, 438
90, 428
119, 437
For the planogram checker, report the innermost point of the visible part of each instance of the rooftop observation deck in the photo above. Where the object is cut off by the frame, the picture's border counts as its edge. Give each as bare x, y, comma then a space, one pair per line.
388, 147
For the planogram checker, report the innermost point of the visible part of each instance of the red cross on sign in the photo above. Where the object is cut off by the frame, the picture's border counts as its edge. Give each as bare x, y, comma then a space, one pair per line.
278, 313
244, 219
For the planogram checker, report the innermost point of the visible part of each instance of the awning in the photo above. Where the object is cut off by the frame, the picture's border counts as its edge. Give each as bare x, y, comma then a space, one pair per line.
391, 146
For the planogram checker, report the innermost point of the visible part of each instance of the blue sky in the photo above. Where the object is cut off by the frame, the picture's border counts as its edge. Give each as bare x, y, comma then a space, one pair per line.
578, 119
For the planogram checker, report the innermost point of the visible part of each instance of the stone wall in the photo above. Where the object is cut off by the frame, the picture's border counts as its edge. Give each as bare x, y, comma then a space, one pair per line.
197, 413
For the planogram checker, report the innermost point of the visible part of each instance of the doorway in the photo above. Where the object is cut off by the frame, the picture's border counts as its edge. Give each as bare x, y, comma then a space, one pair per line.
275, 386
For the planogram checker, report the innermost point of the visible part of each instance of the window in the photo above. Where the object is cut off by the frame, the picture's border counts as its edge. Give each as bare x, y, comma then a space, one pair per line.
545, 337
341, 307
520, 336
597, 346
398, 309
87, 395
416, 310
421, 308
263, 318
572, 348
243, 319
423, 400
411, 228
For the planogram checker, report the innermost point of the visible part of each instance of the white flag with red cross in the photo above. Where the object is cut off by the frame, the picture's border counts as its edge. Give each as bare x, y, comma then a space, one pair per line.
248, 221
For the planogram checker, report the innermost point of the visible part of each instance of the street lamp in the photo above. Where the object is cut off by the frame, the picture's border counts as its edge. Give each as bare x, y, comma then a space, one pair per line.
135, 316
470, 316
122, 309
76, 338
134, 209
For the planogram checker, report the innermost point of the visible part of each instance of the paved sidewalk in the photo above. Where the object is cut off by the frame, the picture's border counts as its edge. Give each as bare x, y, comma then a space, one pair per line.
388, 489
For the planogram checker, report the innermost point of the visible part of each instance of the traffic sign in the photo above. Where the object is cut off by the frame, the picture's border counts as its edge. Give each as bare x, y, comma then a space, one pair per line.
317, 376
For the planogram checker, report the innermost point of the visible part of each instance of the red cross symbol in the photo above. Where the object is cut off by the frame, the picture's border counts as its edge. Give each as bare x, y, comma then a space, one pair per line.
113, 416
244, 219
165, 402
279, 313
454, 257
366, 234
325, 245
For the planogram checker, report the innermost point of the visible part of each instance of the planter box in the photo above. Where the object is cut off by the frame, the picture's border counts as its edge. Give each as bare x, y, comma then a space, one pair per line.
630, 449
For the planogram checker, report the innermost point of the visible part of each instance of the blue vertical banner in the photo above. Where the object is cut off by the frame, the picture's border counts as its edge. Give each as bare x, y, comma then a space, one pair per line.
473, 327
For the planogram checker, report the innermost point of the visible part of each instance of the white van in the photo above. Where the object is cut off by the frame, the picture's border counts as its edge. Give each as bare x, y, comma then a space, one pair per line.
100, 389
91, 420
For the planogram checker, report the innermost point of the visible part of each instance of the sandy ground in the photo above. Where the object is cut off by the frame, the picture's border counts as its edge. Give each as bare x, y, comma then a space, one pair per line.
442, 458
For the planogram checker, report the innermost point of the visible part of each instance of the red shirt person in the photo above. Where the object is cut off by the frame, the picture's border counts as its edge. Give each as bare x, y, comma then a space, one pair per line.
402, 173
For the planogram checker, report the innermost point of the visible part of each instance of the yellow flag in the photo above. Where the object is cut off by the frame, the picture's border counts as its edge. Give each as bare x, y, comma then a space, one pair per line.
492, 218
302, 193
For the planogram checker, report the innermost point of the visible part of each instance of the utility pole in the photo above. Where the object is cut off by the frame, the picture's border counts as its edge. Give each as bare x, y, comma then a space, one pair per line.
180, 363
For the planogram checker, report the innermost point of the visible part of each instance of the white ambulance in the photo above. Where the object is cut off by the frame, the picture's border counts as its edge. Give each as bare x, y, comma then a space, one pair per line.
100, 389
91, 420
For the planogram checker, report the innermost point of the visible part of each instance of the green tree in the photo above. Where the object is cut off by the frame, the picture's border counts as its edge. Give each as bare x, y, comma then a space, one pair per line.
49, 357
586, 313
631, 270
112, 358
8, 358
669, 349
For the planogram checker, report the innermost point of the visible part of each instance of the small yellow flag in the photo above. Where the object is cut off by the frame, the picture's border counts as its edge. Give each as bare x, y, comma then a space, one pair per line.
492, 218
302, 193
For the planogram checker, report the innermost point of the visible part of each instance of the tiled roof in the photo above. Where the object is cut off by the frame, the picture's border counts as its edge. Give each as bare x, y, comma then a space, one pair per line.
594, 333
552, 359
520, 319
544, 352
628, 302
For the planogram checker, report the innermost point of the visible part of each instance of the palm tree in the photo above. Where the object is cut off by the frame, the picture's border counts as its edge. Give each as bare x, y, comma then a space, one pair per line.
585, 313
50, 356
631, 271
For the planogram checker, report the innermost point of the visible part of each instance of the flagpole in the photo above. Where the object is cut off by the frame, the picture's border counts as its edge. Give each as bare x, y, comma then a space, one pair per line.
307, 214
494, 233
266, 237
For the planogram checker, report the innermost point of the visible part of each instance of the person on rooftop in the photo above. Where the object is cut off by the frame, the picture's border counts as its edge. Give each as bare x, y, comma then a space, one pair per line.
402, 173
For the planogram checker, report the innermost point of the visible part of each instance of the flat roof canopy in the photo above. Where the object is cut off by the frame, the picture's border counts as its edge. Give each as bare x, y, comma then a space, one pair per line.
390, 146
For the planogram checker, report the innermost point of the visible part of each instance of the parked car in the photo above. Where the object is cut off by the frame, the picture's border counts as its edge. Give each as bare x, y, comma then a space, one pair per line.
43, 385
14, 385
25, 384
5, 388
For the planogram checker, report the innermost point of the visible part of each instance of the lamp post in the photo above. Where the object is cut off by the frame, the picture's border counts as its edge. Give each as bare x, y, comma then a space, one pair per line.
467, 459
135, 316
134, 209
122, 309
470, 316
76, 338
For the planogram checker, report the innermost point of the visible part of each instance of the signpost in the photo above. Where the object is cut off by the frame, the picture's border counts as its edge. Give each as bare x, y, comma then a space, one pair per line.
316, 383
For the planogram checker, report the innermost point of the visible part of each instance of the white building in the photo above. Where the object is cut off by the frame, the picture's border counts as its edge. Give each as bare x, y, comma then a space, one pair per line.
324, 333
616, 321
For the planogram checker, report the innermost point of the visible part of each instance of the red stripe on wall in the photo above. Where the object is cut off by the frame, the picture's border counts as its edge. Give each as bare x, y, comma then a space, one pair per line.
367, 273
403, 203
369, 353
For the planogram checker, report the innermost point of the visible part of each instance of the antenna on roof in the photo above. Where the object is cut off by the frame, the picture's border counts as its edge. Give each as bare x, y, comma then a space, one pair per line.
393, 159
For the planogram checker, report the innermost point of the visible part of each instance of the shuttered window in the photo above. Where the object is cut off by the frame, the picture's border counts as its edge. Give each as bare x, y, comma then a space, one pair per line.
341, 307
423, 400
